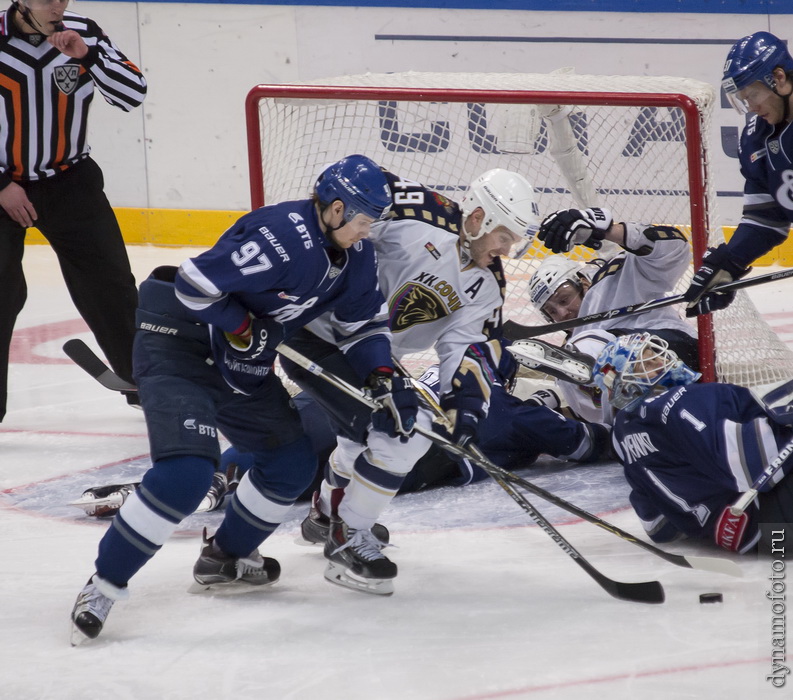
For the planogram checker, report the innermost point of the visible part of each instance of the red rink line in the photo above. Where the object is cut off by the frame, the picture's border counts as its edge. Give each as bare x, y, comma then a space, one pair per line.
610, 679
75, 433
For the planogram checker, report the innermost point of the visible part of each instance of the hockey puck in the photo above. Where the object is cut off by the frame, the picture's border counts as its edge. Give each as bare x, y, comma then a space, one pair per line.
711, 598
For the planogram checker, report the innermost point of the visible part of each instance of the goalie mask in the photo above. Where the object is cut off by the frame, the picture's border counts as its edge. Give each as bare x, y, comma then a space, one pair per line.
507, 199
635, 366
750, 60
552, 273
359, 183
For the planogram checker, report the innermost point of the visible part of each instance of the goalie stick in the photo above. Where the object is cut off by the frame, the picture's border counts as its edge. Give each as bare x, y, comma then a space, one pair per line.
737, 509
715, 564
644, 592
85, 358
518, 331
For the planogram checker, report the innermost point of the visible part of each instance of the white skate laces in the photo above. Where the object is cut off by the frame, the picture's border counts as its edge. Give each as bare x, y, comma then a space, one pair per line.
365, 544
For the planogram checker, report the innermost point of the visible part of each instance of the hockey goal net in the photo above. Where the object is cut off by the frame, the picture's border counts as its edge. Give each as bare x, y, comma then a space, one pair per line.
637, 145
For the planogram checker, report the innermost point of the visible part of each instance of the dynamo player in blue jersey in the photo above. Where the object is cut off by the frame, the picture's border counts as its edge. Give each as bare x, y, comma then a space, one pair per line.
758, 78
203, 363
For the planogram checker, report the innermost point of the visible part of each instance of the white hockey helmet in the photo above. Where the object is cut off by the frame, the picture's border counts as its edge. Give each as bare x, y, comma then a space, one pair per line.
507, 200
552, 273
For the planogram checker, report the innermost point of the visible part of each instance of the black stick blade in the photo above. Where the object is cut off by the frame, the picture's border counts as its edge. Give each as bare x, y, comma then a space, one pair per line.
85, 358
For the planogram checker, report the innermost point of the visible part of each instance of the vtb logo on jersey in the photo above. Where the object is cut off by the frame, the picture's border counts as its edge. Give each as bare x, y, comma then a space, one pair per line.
413, 305
66, 77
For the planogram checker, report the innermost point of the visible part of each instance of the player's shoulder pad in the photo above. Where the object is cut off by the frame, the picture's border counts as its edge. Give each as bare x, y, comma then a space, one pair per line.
609, 267
412, 200
663, 233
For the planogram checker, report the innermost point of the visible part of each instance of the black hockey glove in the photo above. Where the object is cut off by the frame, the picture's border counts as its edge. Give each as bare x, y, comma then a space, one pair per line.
544, 397
260, 334
396, 416
465, 413
717, 267
562, 230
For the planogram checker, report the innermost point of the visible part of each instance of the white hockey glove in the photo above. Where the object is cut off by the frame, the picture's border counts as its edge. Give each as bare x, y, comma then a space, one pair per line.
563, 230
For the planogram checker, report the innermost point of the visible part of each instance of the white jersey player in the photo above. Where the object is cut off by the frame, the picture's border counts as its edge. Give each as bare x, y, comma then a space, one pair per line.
651, 261
441, 275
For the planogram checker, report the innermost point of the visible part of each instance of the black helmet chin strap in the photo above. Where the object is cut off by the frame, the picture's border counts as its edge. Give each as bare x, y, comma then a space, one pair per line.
330, 229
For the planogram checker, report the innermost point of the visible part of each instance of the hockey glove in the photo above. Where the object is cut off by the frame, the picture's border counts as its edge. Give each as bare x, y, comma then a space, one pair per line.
717, 267
562, 230
544, 397
730, 529
396, 416
254, 337
465, 413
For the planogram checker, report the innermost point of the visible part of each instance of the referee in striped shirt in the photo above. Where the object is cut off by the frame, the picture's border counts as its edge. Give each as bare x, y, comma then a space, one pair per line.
50, 63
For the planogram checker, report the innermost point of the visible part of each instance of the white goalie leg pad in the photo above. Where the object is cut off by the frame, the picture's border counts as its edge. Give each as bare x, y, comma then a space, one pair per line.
567, 365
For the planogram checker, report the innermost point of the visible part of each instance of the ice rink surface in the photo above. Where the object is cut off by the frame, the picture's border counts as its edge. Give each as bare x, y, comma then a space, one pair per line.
486, 605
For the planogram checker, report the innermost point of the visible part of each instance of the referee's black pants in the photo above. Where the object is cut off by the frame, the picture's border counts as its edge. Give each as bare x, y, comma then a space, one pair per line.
76, 218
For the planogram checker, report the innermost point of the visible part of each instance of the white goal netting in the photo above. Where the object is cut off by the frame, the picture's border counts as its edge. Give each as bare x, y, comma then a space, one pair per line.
637, 145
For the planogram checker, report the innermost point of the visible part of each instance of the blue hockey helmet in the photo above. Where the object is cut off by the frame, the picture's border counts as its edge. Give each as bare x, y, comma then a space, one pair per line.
751, 59
633, 367
359, 183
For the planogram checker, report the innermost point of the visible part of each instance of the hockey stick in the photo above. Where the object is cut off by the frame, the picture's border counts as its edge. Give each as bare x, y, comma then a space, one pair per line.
722, 566
517, 331
85, 358
737, 509
647, 592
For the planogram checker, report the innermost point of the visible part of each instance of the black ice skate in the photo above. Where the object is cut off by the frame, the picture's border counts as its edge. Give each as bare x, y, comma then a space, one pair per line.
104, 501
92, 608
216, 569
316, 526
355, 560
216, 494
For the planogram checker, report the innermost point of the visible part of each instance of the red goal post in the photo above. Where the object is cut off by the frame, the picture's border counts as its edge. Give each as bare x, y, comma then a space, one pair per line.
638, 145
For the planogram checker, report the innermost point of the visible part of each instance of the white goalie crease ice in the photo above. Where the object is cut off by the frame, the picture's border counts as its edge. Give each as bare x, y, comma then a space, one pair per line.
566, 365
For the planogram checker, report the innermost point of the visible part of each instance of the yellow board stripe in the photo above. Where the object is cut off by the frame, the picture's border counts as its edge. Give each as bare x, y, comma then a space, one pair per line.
167, 227
196, 227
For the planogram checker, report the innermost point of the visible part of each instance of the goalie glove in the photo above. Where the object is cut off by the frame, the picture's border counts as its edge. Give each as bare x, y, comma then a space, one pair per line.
396, 416
730, 529
563, 230
718, 267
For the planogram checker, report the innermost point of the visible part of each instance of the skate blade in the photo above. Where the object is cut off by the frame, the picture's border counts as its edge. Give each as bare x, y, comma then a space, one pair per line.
223, 589
77, 636
342, 576
544, 358
90, 502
